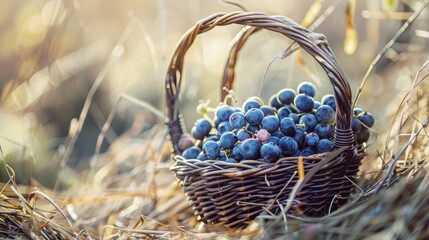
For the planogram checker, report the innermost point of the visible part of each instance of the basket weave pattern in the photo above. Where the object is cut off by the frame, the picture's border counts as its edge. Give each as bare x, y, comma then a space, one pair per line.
233, 194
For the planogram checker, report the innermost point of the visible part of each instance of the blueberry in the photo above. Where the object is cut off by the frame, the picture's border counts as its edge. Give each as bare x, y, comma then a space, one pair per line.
356, 126
222, 155
224, 127
311, 139
278, 134
288, 146
308, 151
357, 111
299, 137
201, 129
304, 103
274, 140
309, 121
316, 105
254, 116
270, 123
231, 160
247, 105
284, 112
252, 128
263, 135
201, 157
243, 135
227, 140
330, 101
287, 126
363, 135
237, 120
191, 153
324, 131
270, 152
325, 114
367, 119
216, 121
307, 88
324, 145
274, 103
295, 117
224, 112
250, 149
286, 96
267, 111
212, 137
211, 149
292, 108
236, 152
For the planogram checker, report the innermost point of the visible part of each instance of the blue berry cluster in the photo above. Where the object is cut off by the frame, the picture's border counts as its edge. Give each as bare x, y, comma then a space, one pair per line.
292, 124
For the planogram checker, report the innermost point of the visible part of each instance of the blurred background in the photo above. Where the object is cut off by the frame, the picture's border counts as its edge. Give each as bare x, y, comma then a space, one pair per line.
57, 54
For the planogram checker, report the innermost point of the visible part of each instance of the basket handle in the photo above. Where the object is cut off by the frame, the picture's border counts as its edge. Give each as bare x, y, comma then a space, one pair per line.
314, 43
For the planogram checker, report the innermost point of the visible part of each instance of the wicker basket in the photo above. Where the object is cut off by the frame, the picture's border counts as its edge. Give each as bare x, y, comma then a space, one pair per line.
233, 194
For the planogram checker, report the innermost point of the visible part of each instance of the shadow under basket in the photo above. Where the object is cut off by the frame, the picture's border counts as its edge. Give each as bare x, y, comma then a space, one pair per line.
234, 194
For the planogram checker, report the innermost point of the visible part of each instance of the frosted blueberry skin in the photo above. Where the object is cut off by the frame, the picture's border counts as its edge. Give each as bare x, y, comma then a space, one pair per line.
250, 149
356, 125
325, 114
249, 104
254, 116
274, 103
211, 150
201, 128
307, 88
224, 127
311, 139
268, 111
367, 119
286, 96
309, 121
270, 123
270, 152
304, 103
299, 137
243, 135
288, 146
288, 127
227, 140
325, 131
284, 112
330, 101
224, 112
236, 152
237, 120
252, 128
191, 153
201, 157
324, 145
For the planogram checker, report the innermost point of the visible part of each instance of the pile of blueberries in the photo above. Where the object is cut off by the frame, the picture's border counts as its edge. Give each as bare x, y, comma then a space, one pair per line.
293, 124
